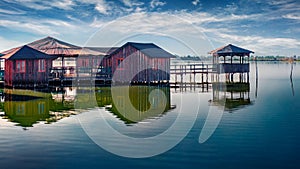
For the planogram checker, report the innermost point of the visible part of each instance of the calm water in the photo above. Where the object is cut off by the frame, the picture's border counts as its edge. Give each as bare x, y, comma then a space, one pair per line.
259, 127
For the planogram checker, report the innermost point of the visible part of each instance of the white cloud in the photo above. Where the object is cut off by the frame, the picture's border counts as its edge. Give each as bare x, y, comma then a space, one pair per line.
45, 27
199, 18
60, 23
139, 9
195, 2
132, 3
102, 8
231, 8
63, 4
283, 6
259, 44
291, 16
157, 3
12, 11
109, 7
132, 6
43, 5
193, 27
221, 28
32, 27
155, 24
33, 5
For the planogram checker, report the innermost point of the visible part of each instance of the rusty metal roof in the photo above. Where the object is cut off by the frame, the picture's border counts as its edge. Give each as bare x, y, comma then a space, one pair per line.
54, 46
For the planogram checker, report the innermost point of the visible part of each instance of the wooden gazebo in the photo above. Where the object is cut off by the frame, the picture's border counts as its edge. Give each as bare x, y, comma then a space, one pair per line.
238, 61
68, 63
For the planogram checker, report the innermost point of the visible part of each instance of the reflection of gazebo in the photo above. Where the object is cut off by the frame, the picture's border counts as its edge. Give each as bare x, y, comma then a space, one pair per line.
232, 95
236, 64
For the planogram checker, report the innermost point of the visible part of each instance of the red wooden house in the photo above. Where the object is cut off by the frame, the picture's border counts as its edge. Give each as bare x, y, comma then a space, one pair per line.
26, 67
138, 62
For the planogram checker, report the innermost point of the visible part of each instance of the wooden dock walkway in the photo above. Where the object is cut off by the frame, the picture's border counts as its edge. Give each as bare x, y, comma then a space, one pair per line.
184, 75
192, 75
199, 75
192, 68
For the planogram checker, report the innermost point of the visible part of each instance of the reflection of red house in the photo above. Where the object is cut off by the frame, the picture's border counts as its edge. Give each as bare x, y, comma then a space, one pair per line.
138, 62
26, 66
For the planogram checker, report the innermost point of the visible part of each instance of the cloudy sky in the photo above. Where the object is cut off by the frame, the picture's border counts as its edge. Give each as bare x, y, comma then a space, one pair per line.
268, 27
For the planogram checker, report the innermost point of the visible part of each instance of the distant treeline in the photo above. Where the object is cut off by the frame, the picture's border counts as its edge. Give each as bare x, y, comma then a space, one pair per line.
252, 58
275, 58
194, 58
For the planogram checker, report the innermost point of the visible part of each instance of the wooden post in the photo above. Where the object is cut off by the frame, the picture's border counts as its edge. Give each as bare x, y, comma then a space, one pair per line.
62, 69
247, 77
190, 77
181, 74
194, 77
175, 70
207, 77
77, 71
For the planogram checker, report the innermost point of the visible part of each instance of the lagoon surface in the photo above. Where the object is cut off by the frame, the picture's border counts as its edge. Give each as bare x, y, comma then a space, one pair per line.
258, 125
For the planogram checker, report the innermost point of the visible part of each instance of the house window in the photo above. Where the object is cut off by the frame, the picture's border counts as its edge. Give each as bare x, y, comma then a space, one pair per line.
42, 65
20, 64
119, 63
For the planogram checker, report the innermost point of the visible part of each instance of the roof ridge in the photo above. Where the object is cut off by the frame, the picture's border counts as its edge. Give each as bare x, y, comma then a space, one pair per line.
56, 42
230, 47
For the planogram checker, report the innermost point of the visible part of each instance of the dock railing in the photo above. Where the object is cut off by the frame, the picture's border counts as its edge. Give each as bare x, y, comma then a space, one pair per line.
187, 75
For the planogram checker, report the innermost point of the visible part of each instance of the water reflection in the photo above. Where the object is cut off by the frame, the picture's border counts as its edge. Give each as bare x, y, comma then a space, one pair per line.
143, 103
233, 95
26, 110
27, 107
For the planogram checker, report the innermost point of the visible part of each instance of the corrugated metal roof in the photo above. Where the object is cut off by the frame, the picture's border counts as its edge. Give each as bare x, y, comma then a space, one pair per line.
10, 50
230, 50
106, 50
26, 52
151, 50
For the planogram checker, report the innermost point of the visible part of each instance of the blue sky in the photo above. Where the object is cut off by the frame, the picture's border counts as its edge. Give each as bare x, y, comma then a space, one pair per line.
268, 27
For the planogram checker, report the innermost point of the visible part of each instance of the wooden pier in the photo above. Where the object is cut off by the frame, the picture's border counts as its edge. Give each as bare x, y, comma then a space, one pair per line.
181, 76
192, 75
188, 75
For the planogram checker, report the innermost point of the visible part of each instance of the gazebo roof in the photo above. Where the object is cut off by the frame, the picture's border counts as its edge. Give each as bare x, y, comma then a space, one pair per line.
230, 50
54, 46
